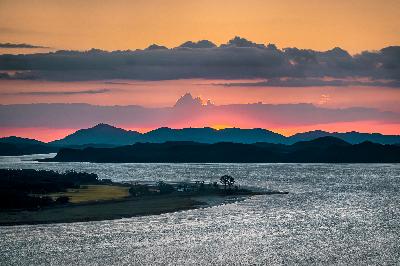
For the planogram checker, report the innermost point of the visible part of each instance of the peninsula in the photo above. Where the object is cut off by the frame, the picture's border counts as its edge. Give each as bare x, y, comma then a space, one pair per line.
37, 197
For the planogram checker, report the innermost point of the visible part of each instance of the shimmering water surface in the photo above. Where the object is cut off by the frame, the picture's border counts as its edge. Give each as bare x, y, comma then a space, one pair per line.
340, 214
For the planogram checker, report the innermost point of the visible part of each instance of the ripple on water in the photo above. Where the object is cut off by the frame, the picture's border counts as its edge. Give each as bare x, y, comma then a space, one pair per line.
335, 214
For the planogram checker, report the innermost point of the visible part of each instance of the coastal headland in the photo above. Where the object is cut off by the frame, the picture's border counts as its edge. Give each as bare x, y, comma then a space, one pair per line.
42, 197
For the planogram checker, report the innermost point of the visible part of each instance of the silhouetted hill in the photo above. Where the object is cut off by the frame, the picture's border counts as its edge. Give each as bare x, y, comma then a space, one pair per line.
350, 137
321, 150
83, 146
356, 137
210, 135
99, 134
250, 135
320, 143
103, 135
19, 140
108, 135
367, 152
7, 149
166, 152
11, 146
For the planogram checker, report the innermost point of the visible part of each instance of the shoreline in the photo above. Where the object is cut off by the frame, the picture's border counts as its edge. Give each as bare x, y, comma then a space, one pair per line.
114, 209
42, 197
83, 212
127, 207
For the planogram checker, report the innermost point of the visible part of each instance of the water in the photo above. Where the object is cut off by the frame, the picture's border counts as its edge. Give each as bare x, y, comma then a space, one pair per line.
336, 214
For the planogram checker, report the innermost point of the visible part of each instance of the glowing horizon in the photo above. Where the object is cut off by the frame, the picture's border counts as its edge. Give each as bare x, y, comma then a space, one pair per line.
51, 134
340, 72
203, 116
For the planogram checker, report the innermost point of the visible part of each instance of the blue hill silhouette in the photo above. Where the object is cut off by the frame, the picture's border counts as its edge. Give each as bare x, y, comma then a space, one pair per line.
19, 146
104, 135
107, 134
99, 134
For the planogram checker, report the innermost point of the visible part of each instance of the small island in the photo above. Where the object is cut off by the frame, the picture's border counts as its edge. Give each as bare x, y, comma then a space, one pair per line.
41, 196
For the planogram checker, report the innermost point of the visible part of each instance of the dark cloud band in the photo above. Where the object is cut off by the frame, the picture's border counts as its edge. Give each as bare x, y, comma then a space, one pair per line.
238, 59
46, 93
20, 45
315, 82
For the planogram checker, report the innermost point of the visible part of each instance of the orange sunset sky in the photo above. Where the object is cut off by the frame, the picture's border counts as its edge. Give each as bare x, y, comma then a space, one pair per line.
320, 25
354, 25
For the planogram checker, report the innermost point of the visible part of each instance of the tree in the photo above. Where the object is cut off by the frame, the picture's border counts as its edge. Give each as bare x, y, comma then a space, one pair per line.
227, 180
165, 188
62, 200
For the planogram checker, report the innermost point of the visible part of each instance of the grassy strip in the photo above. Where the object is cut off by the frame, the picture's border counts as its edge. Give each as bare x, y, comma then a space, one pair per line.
113, 201
106, 210
93, 193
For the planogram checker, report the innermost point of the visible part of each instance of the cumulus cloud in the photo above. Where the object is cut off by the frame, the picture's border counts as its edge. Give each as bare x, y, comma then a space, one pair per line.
188, 100
189, 111
238, 59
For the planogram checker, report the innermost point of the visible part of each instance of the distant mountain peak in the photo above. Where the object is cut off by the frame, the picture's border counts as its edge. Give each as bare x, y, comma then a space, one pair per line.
102, 126
106, 127
323, 142
101, 133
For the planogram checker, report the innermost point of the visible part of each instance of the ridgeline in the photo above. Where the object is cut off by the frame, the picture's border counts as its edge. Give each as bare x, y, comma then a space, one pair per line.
321, 150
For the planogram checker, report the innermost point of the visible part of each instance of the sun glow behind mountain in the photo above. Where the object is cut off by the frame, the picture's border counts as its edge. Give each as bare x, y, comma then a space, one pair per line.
220, 126
192, 111
260, 64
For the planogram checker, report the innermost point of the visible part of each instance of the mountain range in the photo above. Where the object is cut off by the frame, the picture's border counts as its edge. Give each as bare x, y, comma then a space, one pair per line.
320, 150
109, 135
104, 135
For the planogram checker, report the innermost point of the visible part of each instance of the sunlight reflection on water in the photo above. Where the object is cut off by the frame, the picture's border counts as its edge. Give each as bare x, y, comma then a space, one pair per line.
335, 214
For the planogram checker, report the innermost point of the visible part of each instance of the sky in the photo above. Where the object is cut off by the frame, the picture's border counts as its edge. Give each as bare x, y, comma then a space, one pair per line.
354, 25
333, 65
